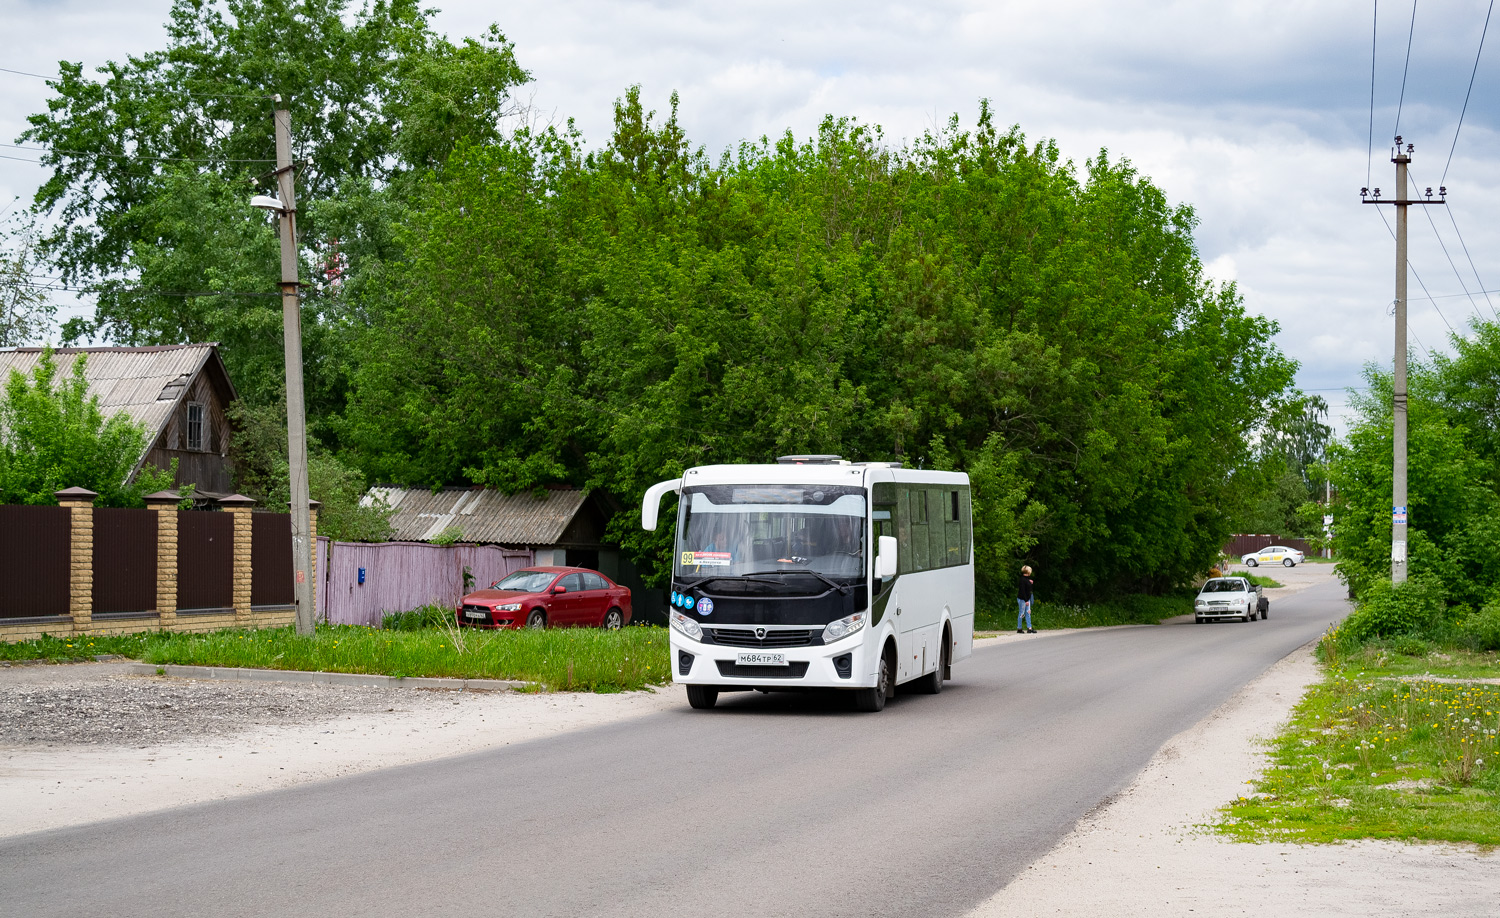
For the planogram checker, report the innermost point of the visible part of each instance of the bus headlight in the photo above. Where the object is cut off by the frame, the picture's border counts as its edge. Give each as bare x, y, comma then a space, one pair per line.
843, 627
687, 626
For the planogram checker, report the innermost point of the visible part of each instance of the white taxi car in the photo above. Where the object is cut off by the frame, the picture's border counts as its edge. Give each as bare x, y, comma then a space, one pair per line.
1273, 554
1227, 598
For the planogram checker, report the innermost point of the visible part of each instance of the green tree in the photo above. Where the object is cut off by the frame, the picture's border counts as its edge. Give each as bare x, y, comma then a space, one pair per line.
154, 162
963, 301
1453, 507
26, 311
262, 472
53, 436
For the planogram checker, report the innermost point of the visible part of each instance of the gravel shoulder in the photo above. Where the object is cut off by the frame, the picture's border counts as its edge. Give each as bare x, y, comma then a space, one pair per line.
1145, 852
85, 742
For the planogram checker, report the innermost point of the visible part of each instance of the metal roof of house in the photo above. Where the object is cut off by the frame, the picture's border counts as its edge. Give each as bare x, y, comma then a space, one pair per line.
144, 382
482, 515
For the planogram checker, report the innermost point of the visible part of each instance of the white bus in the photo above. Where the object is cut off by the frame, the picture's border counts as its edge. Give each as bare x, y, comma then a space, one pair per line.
818, 573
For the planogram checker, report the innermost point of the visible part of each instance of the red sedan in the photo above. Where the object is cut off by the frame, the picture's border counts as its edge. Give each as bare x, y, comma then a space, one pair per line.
548, 597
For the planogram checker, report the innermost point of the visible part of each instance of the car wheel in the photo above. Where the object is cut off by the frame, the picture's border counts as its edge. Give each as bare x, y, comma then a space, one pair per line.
873, 699
613, 620
1197, 619
537, 619
1265, 612
1251, 562
702, 697
1288, 562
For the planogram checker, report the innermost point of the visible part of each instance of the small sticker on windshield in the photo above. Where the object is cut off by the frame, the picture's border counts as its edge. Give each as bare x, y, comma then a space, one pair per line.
706, 558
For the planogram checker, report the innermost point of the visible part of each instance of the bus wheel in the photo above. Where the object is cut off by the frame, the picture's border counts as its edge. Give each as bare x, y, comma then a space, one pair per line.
932, 683
702, 697
873, 699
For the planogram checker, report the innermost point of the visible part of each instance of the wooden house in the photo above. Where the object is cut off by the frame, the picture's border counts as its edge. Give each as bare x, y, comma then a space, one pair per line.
180, 392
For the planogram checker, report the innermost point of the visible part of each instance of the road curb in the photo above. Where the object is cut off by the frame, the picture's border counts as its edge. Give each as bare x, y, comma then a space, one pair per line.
236, 674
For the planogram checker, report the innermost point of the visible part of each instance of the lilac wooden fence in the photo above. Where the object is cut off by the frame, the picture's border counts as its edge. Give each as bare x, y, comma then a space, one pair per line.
400, 576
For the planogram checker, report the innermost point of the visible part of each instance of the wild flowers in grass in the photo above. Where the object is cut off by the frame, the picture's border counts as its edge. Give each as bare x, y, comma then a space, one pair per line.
1379, 757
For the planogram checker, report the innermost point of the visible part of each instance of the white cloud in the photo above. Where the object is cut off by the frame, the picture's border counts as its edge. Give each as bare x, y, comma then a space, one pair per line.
1255, 113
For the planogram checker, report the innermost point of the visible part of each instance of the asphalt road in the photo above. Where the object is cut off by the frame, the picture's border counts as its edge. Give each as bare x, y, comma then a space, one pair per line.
768, 805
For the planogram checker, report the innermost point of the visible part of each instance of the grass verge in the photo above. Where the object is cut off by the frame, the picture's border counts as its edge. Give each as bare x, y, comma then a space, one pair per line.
1262, 580
1133, 609
1372, 752
575, 659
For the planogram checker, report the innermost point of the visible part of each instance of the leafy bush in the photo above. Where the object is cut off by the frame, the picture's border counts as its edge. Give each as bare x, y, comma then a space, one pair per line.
1482, 629
1387, 610
419, 619
1410, 645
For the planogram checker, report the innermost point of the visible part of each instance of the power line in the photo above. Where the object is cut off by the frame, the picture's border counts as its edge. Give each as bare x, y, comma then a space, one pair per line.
1412, 31
1444, 247
134, 156
40, 76
1461, 112
178, 92
1370, 144
1414, 273
67, 289
1471, 261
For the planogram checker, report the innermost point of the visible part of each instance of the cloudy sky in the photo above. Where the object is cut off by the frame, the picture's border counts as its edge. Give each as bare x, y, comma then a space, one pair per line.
1255, 113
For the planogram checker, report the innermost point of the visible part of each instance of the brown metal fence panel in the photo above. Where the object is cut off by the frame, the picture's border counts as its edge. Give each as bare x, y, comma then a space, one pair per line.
124, 560
271, 572
400, 576
205, 560
1244, 544
35, 561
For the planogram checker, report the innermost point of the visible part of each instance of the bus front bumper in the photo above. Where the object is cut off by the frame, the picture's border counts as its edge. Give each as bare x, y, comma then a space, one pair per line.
842, 664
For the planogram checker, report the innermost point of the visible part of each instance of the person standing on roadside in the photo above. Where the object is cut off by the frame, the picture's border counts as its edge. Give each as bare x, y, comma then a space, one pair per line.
1023, 602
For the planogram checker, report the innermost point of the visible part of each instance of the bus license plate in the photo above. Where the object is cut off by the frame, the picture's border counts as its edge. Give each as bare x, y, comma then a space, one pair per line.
762, 659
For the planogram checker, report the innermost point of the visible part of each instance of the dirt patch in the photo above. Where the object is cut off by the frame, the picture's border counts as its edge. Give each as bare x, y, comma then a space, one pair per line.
99, 705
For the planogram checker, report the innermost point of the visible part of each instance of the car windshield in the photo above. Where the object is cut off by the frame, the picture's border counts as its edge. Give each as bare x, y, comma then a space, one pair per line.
1224, 586
734, 530
526, 581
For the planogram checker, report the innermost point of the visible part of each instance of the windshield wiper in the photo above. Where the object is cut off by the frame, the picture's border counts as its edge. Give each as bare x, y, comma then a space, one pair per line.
735, 577
842, 588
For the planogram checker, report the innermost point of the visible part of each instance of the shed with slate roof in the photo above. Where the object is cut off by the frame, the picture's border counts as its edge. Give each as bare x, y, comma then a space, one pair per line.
180, 393
564, 526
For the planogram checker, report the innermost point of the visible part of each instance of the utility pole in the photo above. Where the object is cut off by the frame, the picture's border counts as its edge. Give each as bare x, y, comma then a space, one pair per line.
1402, 158
296, 412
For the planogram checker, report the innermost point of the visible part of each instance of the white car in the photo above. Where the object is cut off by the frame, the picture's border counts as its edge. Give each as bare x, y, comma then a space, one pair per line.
1228, 598
1273, 554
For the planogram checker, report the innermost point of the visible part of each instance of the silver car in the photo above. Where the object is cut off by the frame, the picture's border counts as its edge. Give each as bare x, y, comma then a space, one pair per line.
1228, 598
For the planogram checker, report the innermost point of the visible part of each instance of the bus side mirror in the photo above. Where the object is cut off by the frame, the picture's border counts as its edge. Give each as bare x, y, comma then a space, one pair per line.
885, 561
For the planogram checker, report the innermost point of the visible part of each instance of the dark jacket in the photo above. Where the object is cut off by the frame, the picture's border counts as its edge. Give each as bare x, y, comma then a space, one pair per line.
1023, 590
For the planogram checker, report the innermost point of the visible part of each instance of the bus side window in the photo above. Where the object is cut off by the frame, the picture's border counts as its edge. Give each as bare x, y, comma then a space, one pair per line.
921, 531
954, 527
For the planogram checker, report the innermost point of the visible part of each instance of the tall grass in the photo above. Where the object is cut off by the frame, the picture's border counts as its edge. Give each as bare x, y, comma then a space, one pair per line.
1381, 758
576, 659
1133, 609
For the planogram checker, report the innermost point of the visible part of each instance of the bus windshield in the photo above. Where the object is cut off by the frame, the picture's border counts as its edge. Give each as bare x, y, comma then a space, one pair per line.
734, 530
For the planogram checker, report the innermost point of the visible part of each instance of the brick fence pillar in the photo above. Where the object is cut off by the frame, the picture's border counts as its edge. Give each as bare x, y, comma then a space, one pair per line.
80, 505
165, 504
240, 506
